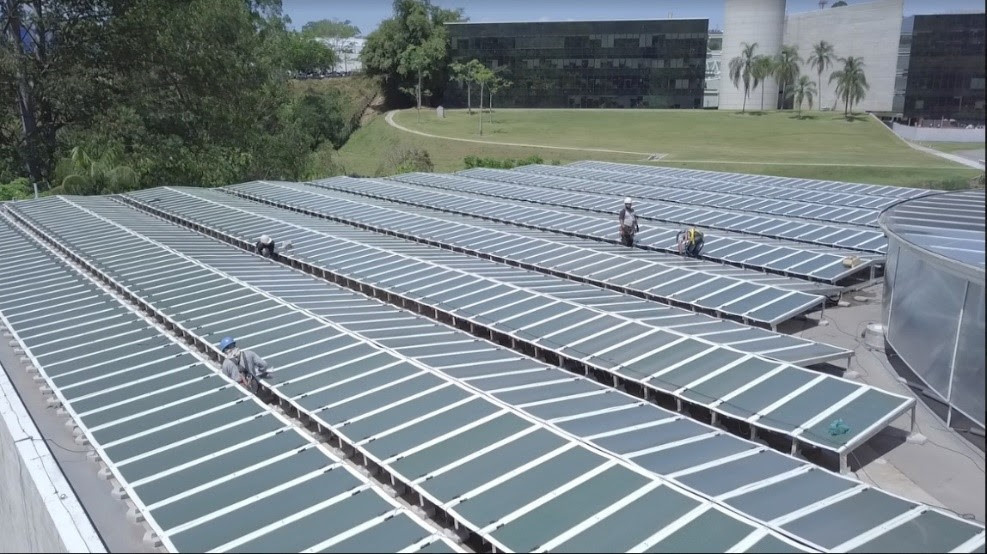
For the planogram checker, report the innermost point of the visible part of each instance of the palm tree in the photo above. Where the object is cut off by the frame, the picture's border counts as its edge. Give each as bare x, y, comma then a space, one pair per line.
851, 83
762, 68
740, 70
821, 59
803, 91
81, 174
787, 69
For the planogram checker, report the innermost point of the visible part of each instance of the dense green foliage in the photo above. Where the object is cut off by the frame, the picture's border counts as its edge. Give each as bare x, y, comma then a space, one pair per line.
505, 163
410, 51
109, 95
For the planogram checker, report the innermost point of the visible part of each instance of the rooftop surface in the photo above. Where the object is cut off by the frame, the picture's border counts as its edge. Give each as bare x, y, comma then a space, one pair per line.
436, 368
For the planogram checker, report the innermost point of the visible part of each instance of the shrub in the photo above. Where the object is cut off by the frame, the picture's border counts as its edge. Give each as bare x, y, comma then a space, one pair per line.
406, 161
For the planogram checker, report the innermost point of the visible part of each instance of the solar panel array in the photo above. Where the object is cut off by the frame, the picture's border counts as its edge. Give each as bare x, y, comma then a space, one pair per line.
765, 394
786, 232
858, 207
722, 295
763, 254
818, 508
833, 187
794, 221
497, 474
208, 465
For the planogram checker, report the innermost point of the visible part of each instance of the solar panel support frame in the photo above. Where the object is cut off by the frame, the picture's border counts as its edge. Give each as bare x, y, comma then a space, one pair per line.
546, 355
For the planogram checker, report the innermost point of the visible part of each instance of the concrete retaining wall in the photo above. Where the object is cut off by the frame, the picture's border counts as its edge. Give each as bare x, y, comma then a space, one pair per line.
932, 134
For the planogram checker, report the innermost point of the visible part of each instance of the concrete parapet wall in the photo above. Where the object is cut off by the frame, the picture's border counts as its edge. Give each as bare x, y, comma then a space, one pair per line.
932, 134
39, 512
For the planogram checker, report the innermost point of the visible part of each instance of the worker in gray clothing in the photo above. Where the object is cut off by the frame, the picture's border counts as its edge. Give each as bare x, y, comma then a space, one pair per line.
627, 220
243, 366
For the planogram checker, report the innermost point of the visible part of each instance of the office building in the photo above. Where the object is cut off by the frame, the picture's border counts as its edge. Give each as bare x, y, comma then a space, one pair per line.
587, 64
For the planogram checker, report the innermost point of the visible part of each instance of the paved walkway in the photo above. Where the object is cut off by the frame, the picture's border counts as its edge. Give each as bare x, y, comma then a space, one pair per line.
390, 121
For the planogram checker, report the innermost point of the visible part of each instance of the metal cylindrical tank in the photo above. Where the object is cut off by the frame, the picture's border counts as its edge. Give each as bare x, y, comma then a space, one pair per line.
750, 21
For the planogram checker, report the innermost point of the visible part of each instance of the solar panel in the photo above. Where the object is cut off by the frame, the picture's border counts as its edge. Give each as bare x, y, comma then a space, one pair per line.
576, 261
756, 252
821, 236
174, 433
796, 221
497, 474
855, 208
608, 419
835, 187
732, 383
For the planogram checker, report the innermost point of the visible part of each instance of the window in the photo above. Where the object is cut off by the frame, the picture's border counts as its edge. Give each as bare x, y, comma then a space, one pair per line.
977, 83
681, 83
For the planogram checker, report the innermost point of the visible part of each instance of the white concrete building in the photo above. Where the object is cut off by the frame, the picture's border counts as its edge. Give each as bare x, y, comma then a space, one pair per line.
869, 30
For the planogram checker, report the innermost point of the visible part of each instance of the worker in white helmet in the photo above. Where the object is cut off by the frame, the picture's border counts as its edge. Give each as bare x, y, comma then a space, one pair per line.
265, 246
627, 220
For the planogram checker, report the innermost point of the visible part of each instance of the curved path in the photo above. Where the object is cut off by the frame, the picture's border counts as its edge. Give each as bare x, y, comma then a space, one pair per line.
390, 121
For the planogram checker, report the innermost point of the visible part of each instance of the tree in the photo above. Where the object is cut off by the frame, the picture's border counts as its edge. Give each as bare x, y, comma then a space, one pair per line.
851, 83
762, 68
497, 84
464, 73
786, 68
80, 174
306, 55
418, 60
740, 70
337, 33
821, 59
803, 91
483, 77
415, 23
839, 4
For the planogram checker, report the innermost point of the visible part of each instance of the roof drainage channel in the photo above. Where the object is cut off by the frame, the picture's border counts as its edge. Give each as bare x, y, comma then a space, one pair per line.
797, 410
749, 252
500, 502
504, 247
653, 438
137, 409
829, 226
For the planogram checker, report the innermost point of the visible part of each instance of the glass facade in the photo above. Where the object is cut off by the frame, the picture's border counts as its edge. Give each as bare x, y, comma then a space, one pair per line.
945, 68
582, 64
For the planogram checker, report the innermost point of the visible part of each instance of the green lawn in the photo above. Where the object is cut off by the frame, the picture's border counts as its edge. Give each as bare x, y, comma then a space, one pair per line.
773, 143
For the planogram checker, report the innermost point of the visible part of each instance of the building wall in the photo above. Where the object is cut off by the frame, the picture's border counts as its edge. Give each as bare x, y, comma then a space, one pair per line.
39, 512
946, 77
871, 31
581, 64
750, 21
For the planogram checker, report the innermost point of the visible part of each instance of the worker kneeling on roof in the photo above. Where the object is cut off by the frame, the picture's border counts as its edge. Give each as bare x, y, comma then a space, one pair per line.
243, 366
690, 242
265, 247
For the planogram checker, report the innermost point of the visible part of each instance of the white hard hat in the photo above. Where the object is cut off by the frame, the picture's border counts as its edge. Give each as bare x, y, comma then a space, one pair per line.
265, 239
627, 200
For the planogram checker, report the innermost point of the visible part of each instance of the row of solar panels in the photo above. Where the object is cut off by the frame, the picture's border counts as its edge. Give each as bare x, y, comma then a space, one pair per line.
818, 236
832, 187
496, 471
787, 220
765, 394
789, 202
764, 254
815, 506
210, 467
722, 295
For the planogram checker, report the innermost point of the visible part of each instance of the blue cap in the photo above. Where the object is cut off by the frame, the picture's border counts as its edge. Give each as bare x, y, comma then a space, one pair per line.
226, 343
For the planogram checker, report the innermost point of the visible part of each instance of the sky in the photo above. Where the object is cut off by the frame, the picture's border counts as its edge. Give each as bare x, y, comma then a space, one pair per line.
367, 14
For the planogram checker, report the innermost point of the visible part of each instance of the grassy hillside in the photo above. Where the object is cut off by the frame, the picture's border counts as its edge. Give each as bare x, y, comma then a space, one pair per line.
862, 150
